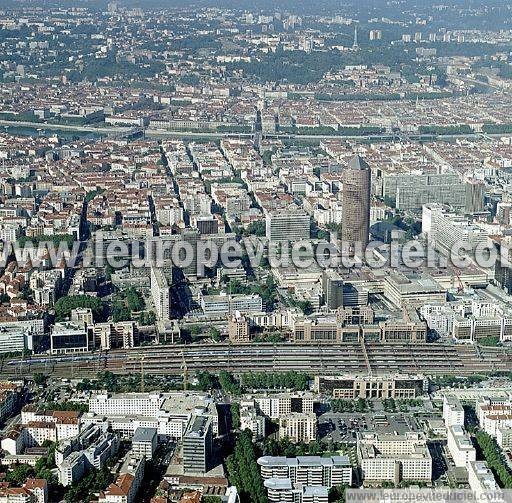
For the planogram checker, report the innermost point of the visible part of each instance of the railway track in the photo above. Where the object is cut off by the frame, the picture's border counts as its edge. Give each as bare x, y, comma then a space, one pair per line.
429, 359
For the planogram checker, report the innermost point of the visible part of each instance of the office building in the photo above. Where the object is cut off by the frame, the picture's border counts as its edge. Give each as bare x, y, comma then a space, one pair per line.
13, 340
503, 265
144, 442
290, 224
447, 230
197, 446
356, 205
356, 315
169, 413
475, 192
411, 191
148, 404
412, 288
207, 224
69, 337
223, 305
332, 288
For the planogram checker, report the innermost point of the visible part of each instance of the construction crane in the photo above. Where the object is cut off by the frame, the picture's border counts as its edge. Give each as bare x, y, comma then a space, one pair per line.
185, 371
142, 376
460, 288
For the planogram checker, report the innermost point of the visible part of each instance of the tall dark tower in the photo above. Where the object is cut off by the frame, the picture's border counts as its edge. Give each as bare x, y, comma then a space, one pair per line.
356, 204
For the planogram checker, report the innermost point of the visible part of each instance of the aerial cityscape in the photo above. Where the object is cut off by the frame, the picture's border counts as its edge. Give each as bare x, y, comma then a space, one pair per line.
255, 251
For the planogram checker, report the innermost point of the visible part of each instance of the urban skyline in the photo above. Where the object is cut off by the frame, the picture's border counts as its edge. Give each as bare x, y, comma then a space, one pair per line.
255, 252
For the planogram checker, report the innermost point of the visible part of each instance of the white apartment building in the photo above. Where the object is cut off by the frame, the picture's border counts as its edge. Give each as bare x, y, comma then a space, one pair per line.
115, 335
460, 446
127, 485
305, 479
161, 293
276, 406
504, 438
251, 420
494, 414
90, 449
453, 412
72, 469
33, 491
394, 458
298, 427
312, 471
120, 404
481, 479
38, 432
282, 491
67, 423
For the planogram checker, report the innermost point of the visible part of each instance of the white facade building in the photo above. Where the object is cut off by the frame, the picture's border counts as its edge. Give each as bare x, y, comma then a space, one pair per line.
460, 446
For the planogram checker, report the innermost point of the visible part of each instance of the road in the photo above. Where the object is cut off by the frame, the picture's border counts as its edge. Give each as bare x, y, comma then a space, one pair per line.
327, 359
160, 133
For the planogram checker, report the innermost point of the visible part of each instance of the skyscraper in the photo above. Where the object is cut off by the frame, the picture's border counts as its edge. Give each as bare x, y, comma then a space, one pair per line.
356, 204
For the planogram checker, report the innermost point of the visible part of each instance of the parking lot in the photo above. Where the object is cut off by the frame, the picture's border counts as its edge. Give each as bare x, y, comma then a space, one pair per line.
344, 426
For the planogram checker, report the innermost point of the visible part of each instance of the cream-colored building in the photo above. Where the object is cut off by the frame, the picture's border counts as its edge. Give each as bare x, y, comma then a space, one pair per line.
460, 446
350, 386
394, 458
238, 328
279, 405
453, 412
298, 427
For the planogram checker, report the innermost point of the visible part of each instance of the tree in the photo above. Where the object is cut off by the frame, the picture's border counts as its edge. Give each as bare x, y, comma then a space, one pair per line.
256, 228
65, 305
214, 333
337, 494
147, 318
39, 378
235, 416
207, 381
243, 471
19, 474
228, 383
495, 459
